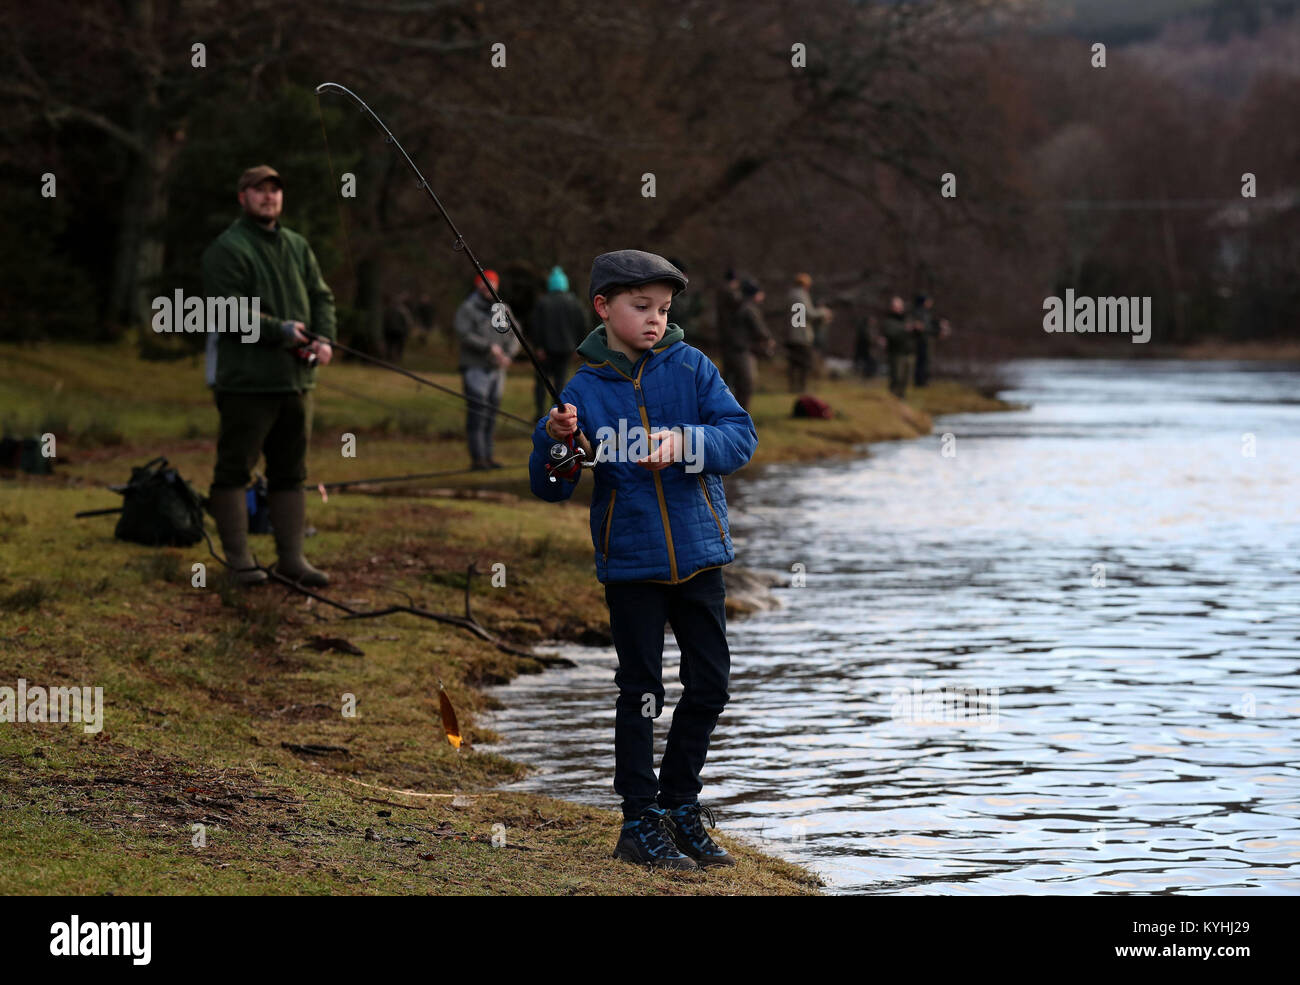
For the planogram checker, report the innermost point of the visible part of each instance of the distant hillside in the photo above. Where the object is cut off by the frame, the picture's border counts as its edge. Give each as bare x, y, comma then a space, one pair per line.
1124, 21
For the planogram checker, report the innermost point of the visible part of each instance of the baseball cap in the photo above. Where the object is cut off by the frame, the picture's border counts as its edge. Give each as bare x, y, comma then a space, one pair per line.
256, 175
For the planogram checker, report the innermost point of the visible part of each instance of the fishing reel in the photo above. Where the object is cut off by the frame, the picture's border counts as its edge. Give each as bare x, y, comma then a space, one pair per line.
567, 461
305, 354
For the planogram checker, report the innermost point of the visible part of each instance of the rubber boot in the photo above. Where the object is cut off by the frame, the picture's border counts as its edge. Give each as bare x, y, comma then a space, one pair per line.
288, 509
229, 508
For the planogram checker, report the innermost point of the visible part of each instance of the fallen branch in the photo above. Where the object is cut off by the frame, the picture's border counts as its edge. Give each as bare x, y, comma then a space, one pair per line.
313, 749
466, 622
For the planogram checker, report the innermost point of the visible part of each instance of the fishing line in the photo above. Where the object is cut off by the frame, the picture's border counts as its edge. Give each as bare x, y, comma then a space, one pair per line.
414, 475
566, 458
531, 425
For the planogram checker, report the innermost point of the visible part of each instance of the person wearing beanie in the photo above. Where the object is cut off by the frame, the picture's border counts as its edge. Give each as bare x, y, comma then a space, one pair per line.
659, 528
485, 354
556, 325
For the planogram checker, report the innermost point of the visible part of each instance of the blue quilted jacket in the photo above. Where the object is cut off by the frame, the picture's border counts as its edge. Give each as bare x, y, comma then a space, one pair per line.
653, 526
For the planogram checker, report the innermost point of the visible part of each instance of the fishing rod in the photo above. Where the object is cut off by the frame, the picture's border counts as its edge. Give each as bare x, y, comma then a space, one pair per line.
401, 478
322, 486
566, 458
419, 379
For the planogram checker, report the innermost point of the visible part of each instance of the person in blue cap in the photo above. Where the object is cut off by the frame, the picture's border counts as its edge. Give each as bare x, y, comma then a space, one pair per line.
556, 325
659, 527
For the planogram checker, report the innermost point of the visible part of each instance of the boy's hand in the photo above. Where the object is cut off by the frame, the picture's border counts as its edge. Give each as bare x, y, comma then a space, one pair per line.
562, 423
669, 450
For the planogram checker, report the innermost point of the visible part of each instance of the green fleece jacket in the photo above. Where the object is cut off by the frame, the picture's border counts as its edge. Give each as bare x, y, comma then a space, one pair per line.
278, 267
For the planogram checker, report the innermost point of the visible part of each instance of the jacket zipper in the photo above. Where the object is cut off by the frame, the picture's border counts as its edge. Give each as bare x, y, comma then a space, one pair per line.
716, 519
659, 485
609, 522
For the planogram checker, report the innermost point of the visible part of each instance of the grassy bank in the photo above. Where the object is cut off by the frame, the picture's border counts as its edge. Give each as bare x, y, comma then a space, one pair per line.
221, 710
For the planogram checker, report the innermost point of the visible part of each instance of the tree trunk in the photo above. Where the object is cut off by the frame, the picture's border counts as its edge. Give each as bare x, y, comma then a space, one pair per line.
138, 260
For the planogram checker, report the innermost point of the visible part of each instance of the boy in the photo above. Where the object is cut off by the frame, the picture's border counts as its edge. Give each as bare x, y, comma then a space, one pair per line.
659, 527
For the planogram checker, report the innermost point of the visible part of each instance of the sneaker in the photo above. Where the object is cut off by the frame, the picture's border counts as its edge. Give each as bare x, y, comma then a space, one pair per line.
645, 840
687, 830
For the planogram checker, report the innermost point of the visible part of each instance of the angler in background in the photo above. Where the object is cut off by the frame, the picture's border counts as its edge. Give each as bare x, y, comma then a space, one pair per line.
821, 326
942, 330
747, 340
425, 316
485, 355
659, 528
263, 390
900, 346
864, 356
806, 326
398, 321
727, 304
927, 329
556, 327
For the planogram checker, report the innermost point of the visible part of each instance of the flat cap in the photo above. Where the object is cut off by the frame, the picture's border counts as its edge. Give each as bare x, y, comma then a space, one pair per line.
632, 267
257, 175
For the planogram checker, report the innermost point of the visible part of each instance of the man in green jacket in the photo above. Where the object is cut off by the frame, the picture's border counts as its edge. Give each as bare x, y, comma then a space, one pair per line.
262, 390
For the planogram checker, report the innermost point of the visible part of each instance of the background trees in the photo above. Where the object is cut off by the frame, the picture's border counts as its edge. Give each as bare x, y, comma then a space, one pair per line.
1117, 180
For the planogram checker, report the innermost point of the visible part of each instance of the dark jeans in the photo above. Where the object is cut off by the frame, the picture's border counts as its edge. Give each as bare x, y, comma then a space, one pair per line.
277, 424
637, 613
485, 388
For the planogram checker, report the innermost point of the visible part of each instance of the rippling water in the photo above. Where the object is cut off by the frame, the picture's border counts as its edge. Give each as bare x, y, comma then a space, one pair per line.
1105, 583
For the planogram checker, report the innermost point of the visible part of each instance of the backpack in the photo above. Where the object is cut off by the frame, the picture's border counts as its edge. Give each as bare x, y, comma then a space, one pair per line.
159, 507
25, 454
810, 406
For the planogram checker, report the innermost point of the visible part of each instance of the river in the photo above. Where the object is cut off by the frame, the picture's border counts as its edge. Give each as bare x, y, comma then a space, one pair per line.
1052, 653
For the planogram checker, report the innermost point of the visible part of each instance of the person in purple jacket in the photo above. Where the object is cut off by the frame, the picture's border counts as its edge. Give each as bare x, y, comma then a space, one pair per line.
668, 429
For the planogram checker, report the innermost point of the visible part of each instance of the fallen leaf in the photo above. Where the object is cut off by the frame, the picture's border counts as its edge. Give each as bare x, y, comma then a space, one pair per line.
449, 723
